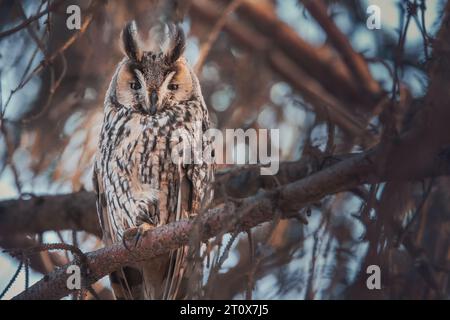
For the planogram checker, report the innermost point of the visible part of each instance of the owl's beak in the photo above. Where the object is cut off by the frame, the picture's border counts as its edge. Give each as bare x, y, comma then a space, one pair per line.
153, 102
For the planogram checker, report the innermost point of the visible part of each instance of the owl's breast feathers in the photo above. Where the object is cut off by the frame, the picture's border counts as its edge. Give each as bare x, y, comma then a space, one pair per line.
137, 177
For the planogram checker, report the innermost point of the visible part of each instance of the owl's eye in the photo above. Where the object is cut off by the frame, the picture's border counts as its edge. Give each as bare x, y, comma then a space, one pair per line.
135, 85
172, 87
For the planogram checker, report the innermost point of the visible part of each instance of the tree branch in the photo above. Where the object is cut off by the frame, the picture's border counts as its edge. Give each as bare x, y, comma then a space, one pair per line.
353, 60
74, 211
52, 7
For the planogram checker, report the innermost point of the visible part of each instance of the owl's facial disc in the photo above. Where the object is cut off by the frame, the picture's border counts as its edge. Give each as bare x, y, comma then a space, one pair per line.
149, 88
154, 75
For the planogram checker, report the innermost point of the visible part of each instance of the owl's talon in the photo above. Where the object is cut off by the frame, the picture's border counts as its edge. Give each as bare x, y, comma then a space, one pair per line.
125, 244
128, 235
135, 234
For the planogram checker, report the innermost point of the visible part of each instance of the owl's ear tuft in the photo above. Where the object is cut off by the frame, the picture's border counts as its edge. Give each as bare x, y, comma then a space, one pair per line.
130, 41
177, 43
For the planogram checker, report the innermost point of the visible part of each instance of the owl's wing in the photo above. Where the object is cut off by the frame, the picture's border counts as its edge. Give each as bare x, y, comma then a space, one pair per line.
194, 192
102, 210
126, 281
178, 257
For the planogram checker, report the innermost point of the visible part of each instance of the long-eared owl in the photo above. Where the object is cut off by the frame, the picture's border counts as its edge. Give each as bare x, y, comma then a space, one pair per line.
153, 94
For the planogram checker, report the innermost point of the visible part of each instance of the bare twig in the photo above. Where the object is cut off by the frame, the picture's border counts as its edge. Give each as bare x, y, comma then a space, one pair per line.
354, 61
212, 37
54, 5
13, 279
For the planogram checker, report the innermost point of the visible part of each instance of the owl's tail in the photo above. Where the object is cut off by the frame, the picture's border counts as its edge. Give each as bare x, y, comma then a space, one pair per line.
146, 283
154, 277
126, 284
170, 277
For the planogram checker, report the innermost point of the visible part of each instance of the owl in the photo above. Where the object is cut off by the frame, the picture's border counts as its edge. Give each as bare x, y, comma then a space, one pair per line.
152, 97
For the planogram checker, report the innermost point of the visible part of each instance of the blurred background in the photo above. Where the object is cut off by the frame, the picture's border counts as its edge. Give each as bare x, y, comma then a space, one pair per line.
262, 64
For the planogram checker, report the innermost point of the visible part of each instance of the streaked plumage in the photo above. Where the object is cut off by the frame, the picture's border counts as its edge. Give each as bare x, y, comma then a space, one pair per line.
152, 95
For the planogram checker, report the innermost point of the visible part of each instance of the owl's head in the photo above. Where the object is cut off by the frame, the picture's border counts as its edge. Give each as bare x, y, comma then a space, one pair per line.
153, 73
